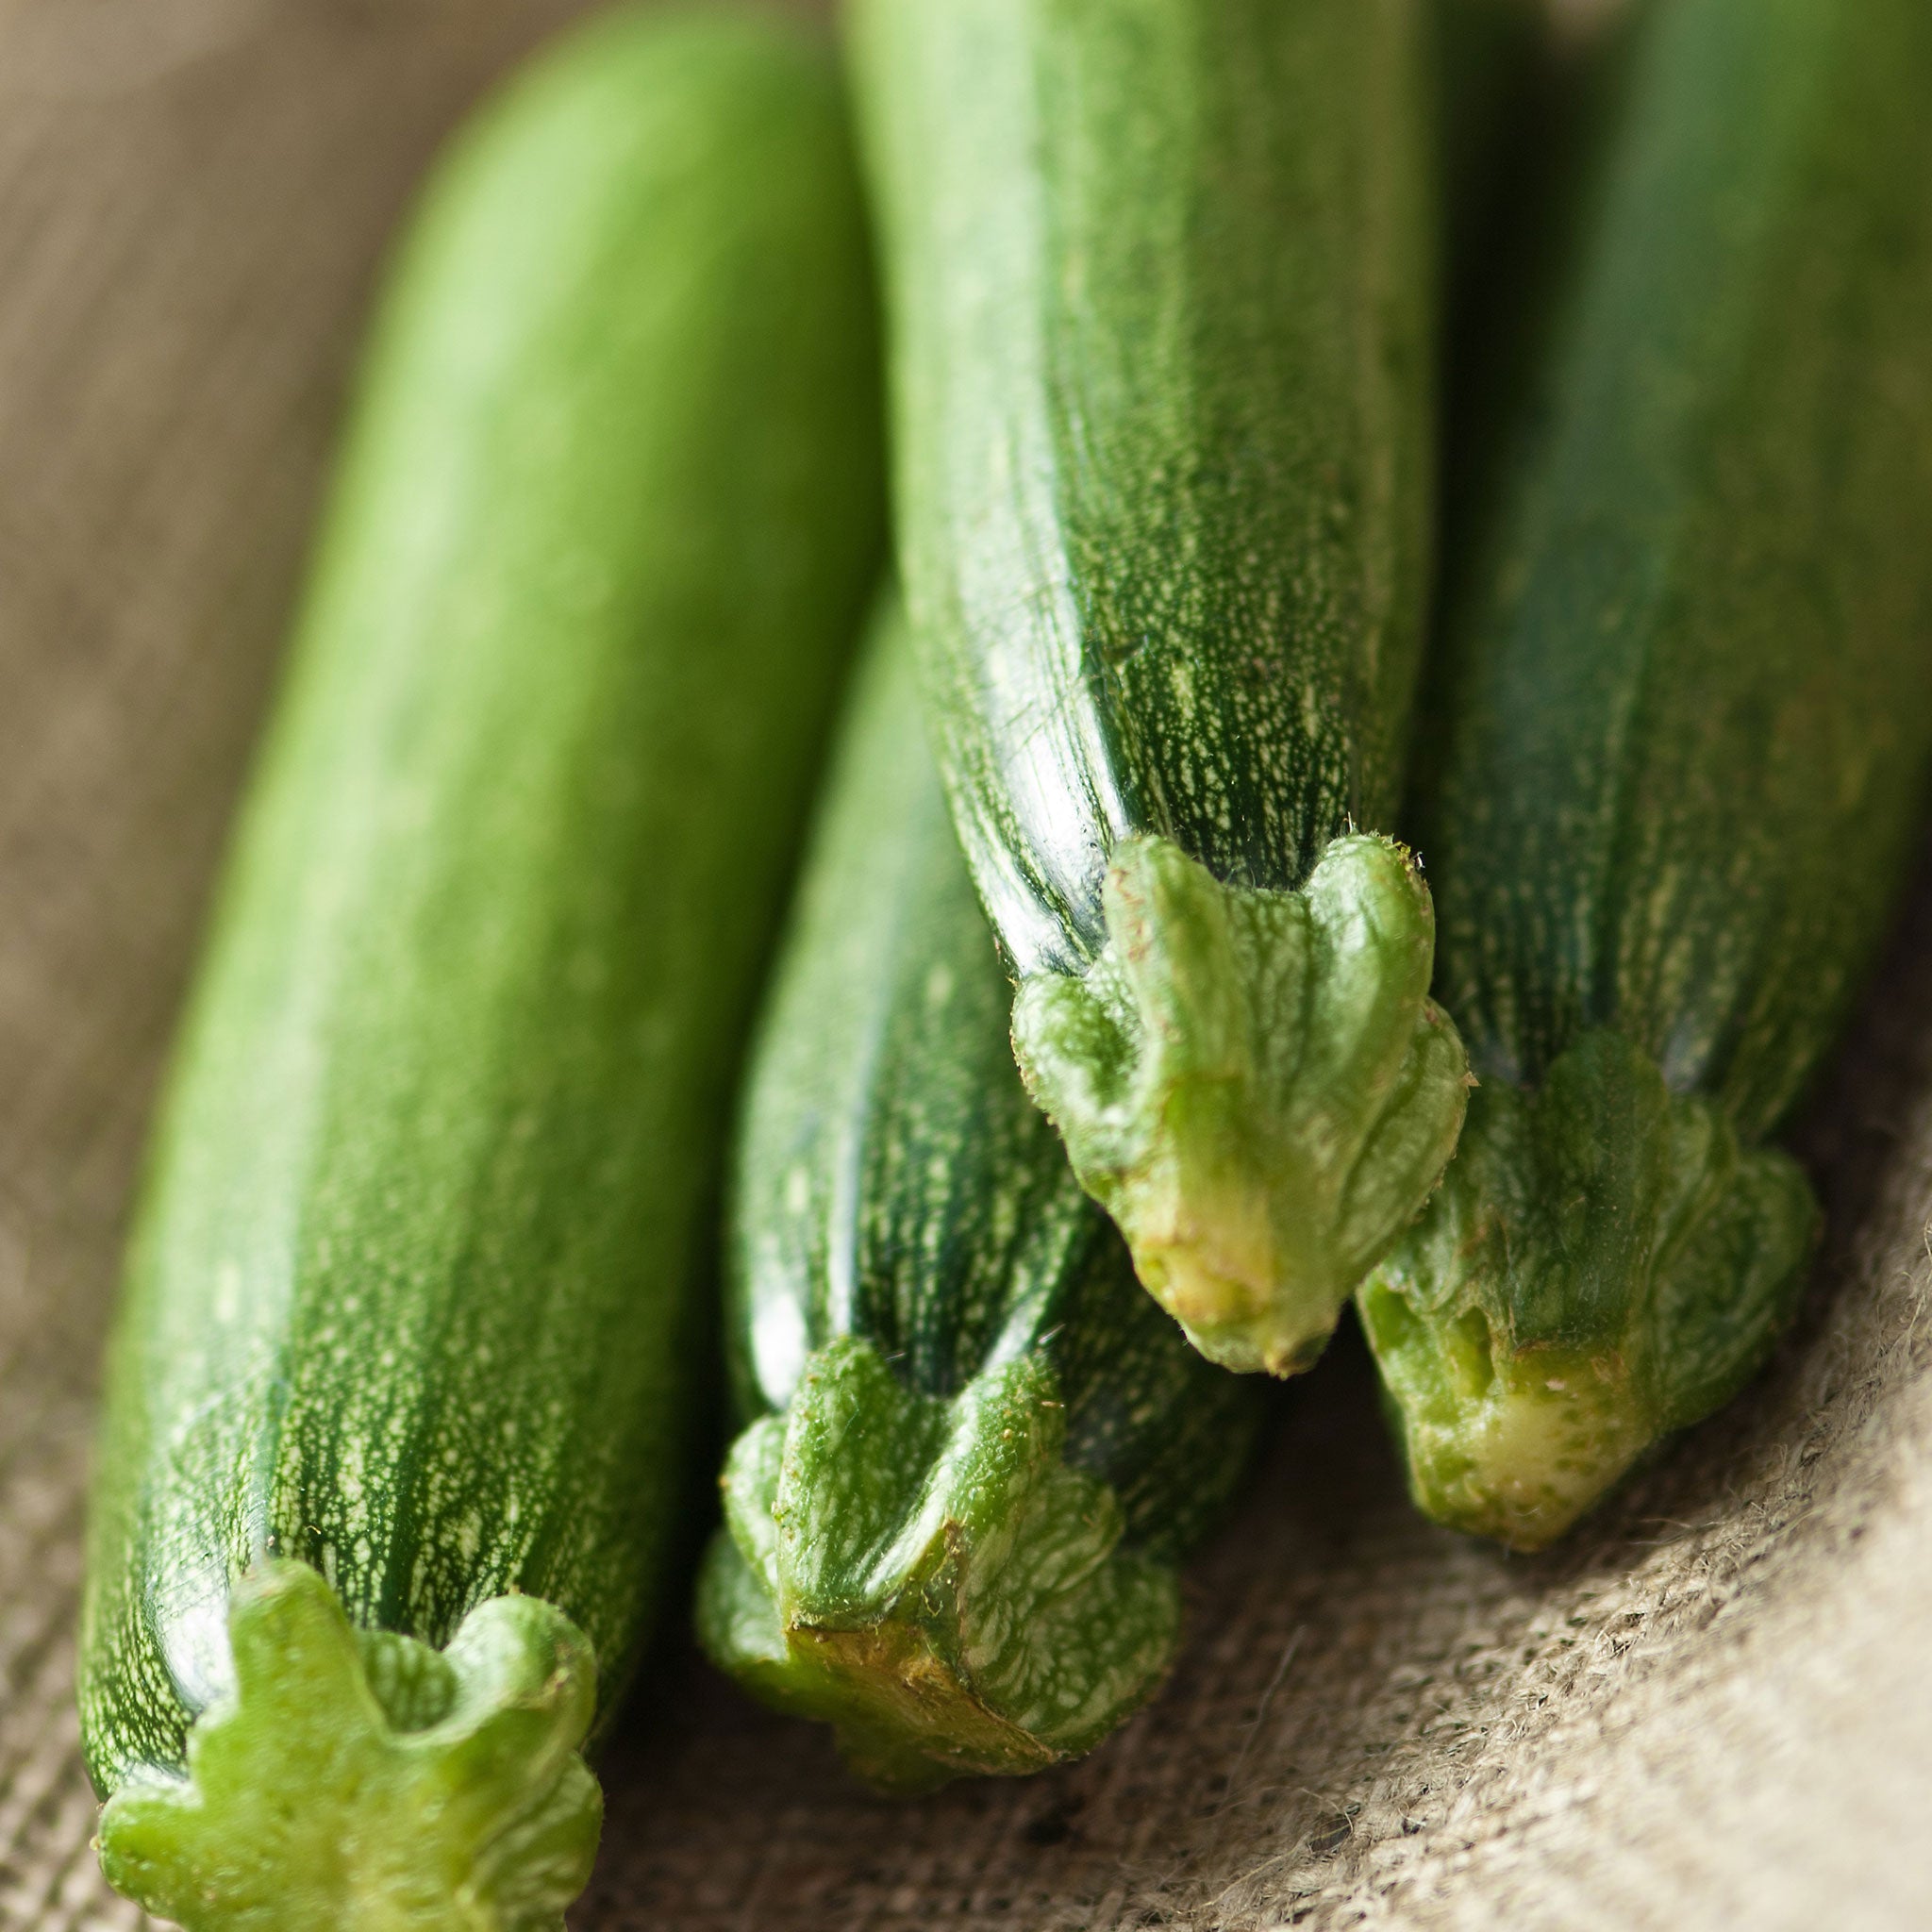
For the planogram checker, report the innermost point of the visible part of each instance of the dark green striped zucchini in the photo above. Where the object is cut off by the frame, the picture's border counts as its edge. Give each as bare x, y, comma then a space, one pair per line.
975, 1447
1682, 763
410, 1333
1161, 274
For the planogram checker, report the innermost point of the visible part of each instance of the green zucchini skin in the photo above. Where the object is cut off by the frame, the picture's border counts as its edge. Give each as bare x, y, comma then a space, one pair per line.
1162, 280
413, 1300
1683, 761
974, 1449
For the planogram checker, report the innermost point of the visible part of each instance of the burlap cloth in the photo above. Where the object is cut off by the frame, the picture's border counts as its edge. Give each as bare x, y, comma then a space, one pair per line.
1713, 1709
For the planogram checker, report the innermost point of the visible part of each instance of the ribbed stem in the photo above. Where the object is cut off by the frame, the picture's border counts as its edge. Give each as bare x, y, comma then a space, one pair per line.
929, 1576
1602, 1265
363, 1779
1255, 1085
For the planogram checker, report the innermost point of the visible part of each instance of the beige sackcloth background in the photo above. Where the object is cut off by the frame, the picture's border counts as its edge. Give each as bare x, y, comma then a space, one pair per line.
1713, 1709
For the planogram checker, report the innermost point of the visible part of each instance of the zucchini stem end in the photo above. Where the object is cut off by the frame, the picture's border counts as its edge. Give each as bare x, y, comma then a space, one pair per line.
1255, 1085
362, 1778
930, 1578
1604, 1265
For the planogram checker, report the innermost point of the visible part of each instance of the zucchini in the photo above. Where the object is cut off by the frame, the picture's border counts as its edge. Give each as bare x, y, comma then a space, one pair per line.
1161, 286
1682, 764
401, 1390
973, 1447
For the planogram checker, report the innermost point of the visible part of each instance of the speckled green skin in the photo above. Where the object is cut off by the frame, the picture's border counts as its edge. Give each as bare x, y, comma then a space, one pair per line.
1688, 693
413, 1292
1161, 277
975, 1447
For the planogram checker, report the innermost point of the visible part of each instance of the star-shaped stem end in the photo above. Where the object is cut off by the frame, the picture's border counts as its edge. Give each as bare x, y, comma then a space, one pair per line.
362, 1778
1255, 1085
929, 1578
1605, 1264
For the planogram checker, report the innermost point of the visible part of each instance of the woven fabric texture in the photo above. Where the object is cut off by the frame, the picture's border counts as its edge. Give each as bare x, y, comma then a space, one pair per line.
1712, 1708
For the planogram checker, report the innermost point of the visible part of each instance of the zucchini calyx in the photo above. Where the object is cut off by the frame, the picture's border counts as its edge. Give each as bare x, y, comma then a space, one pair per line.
1255, 1085
1604, 1264
929, 1576
360, 1778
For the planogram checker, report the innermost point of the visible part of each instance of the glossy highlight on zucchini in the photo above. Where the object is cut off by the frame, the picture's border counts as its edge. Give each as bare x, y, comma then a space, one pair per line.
974, 1449
1683, 759
399, 1400
1162, 278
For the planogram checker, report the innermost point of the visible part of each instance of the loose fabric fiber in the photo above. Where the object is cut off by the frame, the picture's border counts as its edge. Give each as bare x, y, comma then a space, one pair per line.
1711, 1708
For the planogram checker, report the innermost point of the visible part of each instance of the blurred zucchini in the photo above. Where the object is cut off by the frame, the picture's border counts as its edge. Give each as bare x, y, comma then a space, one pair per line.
1680, 775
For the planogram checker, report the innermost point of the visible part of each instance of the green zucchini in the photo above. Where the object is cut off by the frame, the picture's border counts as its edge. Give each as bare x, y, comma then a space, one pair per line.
1161, 280
1680, 770
401, 1388
973, 1448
